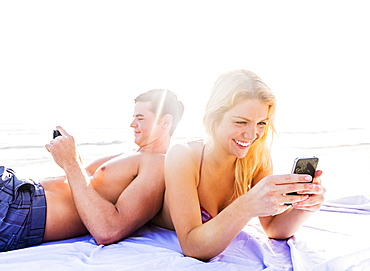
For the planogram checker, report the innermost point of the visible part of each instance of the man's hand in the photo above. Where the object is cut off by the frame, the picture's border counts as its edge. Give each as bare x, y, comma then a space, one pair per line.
63, 149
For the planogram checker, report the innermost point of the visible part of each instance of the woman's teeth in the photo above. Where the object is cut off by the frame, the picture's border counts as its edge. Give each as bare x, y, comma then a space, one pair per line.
242, 143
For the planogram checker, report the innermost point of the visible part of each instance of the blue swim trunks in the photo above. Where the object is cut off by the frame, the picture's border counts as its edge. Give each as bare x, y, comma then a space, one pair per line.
22, 211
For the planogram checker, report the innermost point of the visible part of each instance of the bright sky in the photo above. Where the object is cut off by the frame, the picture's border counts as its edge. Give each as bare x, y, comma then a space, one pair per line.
83, 62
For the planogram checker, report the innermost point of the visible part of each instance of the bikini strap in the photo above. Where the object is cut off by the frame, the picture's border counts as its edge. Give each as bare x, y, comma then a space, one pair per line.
201, 163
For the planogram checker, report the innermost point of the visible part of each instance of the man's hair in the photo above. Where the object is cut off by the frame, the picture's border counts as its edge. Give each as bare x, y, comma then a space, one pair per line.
163, 102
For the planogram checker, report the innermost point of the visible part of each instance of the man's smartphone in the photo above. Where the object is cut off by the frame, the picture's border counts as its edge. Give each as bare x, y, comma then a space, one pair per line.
305, 166
56, 133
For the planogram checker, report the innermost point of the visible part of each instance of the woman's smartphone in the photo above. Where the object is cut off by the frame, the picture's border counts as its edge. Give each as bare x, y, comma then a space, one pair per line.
305, 166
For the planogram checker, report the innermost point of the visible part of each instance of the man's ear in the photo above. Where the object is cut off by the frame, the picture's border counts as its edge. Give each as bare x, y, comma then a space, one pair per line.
167, 120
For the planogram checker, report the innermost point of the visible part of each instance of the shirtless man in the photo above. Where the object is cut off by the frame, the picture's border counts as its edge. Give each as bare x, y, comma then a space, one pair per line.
110, 198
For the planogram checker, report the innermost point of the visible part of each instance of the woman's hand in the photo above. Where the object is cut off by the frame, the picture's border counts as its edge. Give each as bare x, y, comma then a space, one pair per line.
316, 195
282, 214
270, 196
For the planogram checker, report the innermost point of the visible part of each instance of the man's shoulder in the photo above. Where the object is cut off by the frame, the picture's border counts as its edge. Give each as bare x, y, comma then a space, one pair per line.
150, 157
133, 162
140, 157
136, 156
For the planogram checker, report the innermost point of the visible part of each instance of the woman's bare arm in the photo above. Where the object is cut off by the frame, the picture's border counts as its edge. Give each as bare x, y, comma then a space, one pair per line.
204, 241
284, 225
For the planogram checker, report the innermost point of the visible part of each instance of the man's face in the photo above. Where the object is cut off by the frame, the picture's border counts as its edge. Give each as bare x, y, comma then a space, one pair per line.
147, 128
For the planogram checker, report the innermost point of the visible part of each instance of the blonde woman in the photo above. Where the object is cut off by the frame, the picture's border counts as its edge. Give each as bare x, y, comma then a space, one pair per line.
214, 188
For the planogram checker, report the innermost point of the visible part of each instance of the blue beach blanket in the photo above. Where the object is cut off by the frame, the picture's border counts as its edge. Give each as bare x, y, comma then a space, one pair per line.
335, 238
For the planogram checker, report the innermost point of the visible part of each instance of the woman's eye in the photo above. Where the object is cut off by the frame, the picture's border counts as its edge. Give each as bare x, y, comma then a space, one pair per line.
241, 122
262, 123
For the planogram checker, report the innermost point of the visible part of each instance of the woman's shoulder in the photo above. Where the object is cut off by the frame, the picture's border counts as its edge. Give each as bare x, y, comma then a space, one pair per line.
187, 154
183, 161
189, 148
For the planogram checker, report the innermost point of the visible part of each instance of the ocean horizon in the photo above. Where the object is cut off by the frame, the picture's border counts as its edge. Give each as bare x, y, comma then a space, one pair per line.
344, 153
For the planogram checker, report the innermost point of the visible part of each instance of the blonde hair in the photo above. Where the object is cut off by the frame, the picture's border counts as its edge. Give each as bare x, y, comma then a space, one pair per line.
230, 89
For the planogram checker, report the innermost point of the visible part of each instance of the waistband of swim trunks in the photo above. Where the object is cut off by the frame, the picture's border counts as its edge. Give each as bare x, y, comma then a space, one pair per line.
38, 216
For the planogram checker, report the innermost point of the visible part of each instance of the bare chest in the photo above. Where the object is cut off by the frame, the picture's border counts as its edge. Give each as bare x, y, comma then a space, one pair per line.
112, 179
216, 191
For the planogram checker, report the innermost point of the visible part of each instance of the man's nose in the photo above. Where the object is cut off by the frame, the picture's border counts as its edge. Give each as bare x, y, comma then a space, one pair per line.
133, 124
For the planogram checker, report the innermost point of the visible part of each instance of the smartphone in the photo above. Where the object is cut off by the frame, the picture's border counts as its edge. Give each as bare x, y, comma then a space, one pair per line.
305, 166
56, 133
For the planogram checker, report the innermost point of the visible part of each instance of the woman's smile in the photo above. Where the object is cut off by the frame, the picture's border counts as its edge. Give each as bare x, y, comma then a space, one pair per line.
243, 144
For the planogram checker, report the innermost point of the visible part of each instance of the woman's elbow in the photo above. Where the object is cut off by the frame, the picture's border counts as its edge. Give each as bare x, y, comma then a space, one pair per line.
278, 235
199, 252
107, 237
198, 256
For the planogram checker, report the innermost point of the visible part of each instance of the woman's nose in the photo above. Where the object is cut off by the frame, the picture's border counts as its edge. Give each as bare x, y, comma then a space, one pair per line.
251, 133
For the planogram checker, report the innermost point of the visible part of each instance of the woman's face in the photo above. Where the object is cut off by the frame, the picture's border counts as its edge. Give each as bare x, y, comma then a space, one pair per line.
241, 126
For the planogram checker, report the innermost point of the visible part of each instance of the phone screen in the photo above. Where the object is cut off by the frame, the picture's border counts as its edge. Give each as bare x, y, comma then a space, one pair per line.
305, 166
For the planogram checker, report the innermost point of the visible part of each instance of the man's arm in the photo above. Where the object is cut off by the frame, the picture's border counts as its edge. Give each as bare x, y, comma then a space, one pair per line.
141, 197
108, 222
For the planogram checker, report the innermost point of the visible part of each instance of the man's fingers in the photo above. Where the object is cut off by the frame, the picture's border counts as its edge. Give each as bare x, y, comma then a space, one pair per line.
56, 139
62, 131
47, 146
